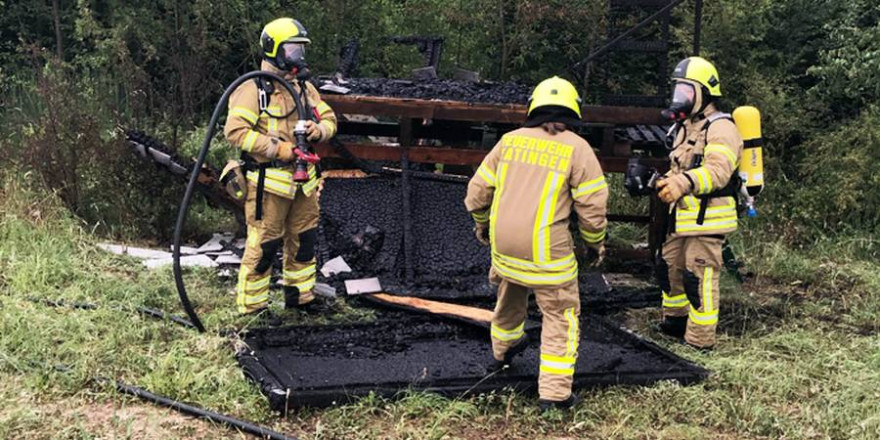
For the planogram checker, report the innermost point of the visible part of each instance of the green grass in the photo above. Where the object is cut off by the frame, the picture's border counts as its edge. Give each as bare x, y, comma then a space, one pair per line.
798, 357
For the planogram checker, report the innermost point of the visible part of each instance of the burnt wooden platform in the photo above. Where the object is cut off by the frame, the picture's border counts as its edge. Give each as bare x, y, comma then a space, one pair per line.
419, 125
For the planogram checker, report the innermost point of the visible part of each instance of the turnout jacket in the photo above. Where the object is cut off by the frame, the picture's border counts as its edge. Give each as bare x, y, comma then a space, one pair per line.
708, 151
257, 133
525, 189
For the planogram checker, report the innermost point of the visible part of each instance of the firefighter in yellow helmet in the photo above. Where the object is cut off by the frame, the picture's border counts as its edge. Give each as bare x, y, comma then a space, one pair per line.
281, 213
699, 189
521, 198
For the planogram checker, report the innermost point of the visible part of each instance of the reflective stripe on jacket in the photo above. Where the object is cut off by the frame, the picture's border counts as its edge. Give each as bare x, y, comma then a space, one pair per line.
526, 188
252, 131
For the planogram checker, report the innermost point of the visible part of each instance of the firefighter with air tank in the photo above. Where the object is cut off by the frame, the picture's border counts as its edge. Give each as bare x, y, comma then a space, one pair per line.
707, 171
277, 179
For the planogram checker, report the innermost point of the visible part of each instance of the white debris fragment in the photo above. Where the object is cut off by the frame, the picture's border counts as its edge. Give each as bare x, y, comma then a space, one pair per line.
187, 261
335, 266
325, 290
219, 254
230, 259
214, 244
186, 250
136, 252
364, 285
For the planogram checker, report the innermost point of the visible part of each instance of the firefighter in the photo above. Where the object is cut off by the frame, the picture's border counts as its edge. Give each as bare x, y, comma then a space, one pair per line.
521, 199
699, 189
281, 213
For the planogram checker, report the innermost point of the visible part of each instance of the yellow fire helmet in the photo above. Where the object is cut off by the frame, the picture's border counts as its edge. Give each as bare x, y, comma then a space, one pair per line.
282, 30
701, 71
555, 91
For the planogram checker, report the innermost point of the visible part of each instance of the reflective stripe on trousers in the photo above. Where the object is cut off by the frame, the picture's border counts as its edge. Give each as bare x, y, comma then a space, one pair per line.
709, 315
251, 293
564, 365
303, 280
508, 335
675, 301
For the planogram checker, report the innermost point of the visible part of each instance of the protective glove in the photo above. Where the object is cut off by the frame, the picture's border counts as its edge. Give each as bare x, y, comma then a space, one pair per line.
314, 131
673, 188
481, 230
595, 254
285, 151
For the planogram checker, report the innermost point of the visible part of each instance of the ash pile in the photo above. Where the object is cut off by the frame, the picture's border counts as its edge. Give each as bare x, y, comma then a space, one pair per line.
328, 365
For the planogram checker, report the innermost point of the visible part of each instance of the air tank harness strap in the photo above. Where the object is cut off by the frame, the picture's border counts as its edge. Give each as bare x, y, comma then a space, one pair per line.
250, 164
730, 190
265, 88
732, 187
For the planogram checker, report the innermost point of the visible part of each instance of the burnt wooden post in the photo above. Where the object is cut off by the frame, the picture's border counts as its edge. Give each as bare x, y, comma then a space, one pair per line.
659, 213
607, 148
405, 139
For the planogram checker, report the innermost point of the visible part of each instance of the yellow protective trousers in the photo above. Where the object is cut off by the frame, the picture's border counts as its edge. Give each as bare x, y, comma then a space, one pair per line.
288, 224
560, 332
693, 265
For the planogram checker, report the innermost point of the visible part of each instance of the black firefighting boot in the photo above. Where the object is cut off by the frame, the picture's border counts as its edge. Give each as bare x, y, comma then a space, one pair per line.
293, 299
495, 365
673, 326
564, 405
268, 317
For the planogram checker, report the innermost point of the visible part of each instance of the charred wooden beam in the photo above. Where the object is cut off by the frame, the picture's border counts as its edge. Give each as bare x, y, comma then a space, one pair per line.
457, 156
493, 113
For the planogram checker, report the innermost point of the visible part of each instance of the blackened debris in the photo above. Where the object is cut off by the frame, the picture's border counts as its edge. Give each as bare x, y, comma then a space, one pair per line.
443, 89
361, 220
322, 366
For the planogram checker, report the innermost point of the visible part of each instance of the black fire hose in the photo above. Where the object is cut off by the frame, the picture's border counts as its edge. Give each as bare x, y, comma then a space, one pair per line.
193, 180
242, 425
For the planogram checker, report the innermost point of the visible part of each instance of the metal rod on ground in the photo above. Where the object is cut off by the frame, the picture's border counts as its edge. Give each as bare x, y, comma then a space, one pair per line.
145, 311
232, 422
158, 314
620, 37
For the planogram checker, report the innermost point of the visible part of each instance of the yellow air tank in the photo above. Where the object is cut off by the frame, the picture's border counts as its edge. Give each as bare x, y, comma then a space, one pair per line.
751, 168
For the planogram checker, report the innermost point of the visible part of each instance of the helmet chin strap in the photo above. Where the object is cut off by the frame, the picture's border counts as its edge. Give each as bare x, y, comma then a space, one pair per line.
704, 99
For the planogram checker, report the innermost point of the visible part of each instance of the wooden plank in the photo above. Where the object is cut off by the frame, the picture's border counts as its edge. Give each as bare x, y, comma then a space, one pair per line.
449, 156
618, 164
464, 111
633, 134
646, 133
437, 307
658, 131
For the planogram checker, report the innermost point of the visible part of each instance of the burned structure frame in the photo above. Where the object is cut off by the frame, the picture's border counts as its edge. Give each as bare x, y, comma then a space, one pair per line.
454, 124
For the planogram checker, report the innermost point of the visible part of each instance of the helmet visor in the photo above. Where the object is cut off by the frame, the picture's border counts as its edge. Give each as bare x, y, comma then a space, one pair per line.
684, 95
292, 54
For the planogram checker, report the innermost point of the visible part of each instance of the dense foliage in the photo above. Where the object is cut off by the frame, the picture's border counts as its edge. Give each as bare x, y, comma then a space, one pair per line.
73, 72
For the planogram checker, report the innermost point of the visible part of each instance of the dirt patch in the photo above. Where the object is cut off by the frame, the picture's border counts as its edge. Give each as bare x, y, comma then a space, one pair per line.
126, 420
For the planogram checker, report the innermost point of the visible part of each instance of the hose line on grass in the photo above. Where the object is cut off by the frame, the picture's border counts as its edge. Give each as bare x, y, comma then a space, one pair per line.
229, 421
194, 175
